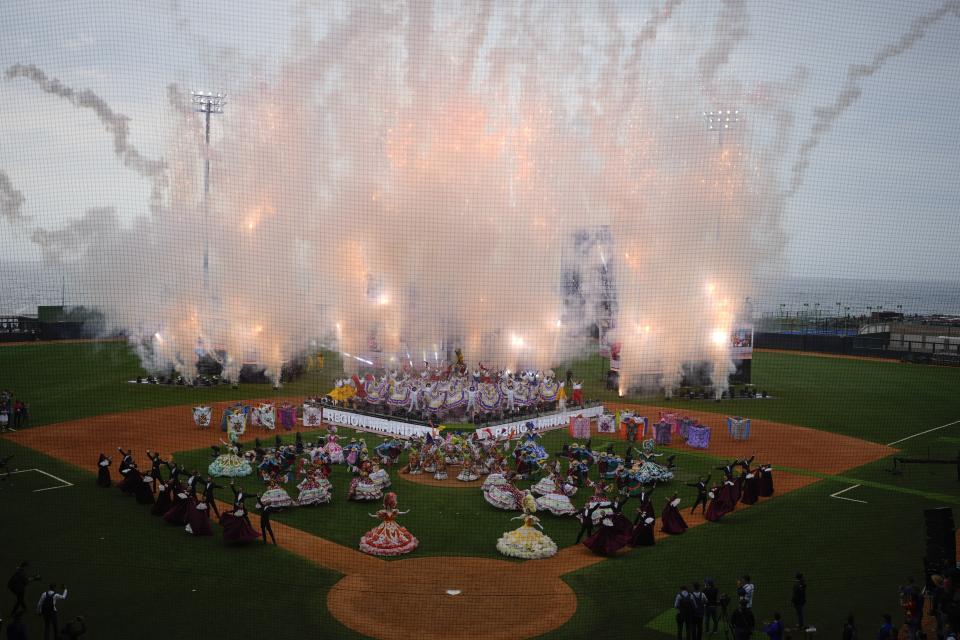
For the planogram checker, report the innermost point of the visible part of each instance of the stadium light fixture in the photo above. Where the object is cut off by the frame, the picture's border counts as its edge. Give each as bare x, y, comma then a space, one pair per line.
207, 104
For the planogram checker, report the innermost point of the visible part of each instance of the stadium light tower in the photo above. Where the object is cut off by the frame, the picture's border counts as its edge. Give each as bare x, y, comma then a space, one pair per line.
721, 121
207, 104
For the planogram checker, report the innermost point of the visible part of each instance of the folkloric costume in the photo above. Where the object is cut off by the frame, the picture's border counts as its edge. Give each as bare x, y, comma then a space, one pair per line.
527, 542
103, 471
388, 538
614, 532
230, 464
362, 488
236, 526
500, 493
765, 483
670, 519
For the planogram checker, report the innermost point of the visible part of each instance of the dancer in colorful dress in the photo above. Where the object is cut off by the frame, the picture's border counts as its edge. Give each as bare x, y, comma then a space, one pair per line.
468, 471
230, 464
670, 519
312, 491
413, 463
388, 538
275, 495
527, 542
362, 488
649, 471
333, 449
501, 493
440, 464
380, 476
558, 501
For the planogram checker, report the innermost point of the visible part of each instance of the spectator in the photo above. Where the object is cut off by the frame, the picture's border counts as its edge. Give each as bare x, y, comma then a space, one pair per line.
699, 610
742, 622
710, 591
18, 587
683, 603
748, 590
886, 631
798, 599
17, 630
47, 607
774, 630
76, 628
849, 629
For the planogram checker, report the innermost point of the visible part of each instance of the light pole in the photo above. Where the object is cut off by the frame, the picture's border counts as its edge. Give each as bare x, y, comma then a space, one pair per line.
721, 121
207, 104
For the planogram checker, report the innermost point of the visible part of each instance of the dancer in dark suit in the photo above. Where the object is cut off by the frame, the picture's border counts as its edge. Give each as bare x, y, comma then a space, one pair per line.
208, 489
703, 494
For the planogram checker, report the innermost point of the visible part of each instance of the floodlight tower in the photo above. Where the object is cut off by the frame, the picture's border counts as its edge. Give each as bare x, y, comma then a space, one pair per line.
207, 104
721, 121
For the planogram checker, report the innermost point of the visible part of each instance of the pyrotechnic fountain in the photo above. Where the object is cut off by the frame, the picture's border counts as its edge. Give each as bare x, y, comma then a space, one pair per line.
412, 179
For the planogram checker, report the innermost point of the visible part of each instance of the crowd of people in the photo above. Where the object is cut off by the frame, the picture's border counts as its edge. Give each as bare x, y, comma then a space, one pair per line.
14, 412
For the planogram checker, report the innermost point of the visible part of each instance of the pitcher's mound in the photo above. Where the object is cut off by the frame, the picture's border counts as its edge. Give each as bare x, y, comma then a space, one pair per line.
452, 597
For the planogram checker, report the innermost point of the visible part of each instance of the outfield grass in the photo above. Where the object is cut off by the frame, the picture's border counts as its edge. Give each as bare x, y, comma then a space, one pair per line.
853, 554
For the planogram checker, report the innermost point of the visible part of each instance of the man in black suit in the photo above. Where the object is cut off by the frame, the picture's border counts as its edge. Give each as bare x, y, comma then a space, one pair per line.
265, 512
238, 495
208, 488
155, 463
192, 481
127, 461
702, 493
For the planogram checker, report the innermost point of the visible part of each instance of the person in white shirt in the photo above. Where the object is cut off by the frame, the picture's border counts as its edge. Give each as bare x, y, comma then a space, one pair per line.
47, 607
748, 590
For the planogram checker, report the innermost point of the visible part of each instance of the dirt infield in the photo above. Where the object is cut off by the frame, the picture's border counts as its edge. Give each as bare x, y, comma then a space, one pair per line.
408, 598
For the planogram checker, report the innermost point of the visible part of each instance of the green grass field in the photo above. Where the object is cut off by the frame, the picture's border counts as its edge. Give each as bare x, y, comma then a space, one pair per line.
130, 574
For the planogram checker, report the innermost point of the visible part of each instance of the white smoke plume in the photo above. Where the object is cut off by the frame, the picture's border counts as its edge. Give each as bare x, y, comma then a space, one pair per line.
825, 117
11, 200
115, 123
414, 180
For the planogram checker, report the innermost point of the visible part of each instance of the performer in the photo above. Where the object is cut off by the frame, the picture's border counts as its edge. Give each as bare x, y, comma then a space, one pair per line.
103, 471
362, 488
126, 460
236, 526
726, 496
751, 487
275, 495
388, 538
131, 478
440, 464
643, 535
164, 499
717, 508
646, 504
143, 490
239, 495
765, 482
312, 491
670, 519
614, 531
208, 488
577, 399
178, 513
230, 464
266, 511
558, 501
198, 519
502, 494
744, 464
702, 491
192, 481
155, 463
527, 542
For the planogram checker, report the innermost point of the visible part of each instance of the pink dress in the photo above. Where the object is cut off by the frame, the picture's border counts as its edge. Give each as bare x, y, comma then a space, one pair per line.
388, 538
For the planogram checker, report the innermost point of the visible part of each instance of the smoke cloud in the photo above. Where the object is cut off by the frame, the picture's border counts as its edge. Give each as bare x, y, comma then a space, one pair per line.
426, 177
825, 117
115, 123
11, 200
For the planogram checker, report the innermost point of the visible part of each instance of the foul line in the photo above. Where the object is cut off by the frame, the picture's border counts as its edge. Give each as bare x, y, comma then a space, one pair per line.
943, 426
837, 495
49, 475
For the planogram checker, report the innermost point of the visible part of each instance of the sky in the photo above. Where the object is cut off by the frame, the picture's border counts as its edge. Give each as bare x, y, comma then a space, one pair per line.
881, 198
